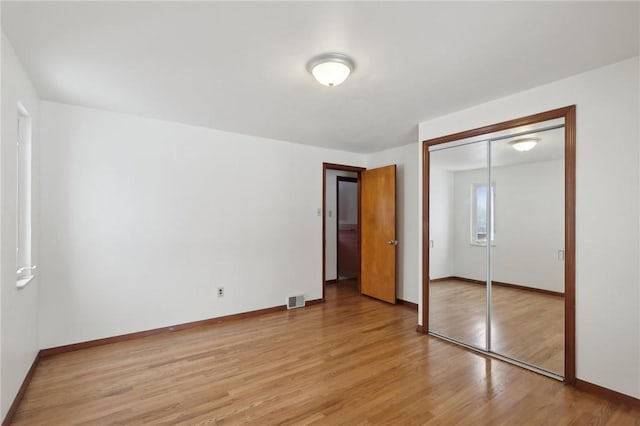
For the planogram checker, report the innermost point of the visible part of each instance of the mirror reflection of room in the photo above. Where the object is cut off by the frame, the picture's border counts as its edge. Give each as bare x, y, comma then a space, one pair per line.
497, 215
458, 306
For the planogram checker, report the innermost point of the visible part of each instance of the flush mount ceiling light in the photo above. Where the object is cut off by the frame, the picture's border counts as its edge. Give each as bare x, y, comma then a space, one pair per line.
331, 69
524, 144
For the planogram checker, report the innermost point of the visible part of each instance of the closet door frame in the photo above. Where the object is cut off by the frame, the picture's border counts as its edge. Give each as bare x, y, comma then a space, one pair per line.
569, 115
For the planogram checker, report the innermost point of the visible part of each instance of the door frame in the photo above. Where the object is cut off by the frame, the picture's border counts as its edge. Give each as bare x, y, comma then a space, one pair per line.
569, 115
355, 180
344, 168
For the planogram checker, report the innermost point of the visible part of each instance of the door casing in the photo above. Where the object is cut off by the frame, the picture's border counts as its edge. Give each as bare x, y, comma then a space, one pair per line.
345, 168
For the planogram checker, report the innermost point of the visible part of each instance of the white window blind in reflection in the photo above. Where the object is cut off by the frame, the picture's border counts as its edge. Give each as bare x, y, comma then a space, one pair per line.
24, 266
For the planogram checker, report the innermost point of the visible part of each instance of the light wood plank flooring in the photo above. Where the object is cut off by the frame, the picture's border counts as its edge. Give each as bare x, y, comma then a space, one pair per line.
527, 326
352, 360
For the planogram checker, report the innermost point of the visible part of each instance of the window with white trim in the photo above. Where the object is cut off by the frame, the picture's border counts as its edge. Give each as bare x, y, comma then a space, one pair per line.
24, 265
479, 222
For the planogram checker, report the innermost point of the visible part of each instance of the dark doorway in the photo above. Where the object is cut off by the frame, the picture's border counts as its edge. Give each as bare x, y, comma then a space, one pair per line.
348, 259
330, 172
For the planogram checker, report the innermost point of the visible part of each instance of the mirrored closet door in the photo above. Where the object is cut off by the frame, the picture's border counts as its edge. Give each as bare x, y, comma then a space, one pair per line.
496, 243
458, 307
527, 254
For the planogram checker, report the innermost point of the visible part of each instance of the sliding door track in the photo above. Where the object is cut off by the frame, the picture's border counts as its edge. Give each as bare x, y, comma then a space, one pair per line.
494, 355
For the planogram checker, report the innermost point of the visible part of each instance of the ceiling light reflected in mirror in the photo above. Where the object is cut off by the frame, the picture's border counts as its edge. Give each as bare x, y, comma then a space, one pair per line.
524, 144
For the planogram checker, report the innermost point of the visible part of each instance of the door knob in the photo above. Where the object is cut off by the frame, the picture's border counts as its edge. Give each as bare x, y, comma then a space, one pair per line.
392, 242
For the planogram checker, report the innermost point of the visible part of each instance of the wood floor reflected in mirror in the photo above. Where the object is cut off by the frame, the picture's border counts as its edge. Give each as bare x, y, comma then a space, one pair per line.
519, 317
458, 311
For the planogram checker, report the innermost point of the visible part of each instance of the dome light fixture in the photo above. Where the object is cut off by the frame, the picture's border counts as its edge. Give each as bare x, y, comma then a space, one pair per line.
331, 69
524, 144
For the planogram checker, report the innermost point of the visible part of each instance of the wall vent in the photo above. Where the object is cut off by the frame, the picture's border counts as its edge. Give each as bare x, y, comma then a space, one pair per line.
295, 302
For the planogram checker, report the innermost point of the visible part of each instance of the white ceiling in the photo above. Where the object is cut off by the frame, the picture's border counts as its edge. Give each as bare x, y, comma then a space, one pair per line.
240, 66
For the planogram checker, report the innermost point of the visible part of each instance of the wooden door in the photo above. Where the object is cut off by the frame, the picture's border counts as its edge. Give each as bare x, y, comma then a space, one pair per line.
378, 233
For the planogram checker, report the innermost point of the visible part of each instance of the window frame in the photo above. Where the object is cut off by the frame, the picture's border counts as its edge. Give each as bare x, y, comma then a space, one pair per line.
473, 240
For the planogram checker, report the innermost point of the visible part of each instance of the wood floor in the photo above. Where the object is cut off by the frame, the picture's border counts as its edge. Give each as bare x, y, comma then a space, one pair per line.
352, 360
526, 326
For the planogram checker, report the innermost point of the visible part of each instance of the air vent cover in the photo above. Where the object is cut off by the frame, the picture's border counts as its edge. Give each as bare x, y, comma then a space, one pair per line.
295, 302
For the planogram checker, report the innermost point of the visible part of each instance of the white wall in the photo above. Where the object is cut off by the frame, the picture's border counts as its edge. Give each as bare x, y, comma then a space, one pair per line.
441, 224
142, 220
19, 306
331, 230
529, 221
407, 177
608, 207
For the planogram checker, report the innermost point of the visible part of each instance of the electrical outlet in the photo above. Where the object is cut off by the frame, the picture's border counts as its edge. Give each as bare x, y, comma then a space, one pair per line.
220, 291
